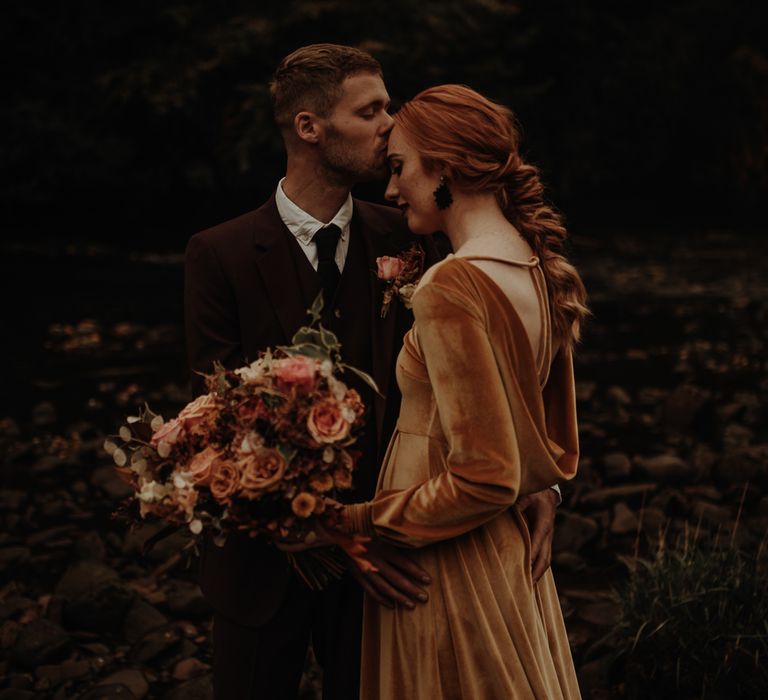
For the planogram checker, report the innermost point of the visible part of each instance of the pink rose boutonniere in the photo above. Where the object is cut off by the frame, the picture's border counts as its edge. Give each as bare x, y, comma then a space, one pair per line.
401, 274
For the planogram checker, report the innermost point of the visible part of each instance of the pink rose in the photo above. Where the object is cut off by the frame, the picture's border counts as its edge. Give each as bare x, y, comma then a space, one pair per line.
295, 371
326, 422
201, 465
168, 433
389, 268
225, 480
261, 469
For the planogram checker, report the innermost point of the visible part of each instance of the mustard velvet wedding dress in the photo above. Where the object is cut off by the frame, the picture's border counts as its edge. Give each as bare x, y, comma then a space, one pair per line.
485, 419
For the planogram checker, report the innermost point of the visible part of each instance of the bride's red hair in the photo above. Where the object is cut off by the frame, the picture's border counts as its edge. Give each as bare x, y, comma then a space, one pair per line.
475, 142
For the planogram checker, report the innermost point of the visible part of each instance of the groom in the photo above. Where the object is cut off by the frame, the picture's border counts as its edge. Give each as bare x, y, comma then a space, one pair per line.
248, 284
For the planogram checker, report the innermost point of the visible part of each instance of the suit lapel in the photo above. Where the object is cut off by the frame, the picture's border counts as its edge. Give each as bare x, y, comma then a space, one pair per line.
277, 267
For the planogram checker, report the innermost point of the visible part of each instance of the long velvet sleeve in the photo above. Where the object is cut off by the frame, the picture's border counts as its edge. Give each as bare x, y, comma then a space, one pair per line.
495, 433
483, 467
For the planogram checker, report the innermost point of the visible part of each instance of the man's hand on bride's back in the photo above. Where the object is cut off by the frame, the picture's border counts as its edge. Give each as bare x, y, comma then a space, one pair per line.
398, 581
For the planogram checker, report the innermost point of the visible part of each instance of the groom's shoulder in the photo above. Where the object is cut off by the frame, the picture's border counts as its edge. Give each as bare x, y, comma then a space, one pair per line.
239, 230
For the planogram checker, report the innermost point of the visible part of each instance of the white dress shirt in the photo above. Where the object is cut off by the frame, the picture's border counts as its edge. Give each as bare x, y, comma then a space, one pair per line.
304, 226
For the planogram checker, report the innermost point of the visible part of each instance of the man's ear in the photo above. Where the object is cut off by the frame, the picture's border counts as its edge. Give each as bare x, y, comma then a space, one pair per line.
307, 126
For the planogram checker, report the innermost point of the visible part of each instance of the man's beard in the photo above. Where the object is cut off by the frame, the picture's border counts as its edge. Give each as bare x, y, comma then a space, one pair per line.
348, 166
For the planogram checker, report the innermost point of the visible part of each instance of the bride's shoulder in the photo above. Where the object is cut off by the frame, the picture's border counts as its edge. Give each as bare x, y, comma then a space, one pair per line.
439, 273
445, 280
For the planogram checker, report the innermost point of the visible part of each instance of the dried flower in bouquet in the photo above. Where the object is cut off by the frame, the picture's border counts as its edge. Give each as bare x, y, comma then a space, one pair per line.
263, 452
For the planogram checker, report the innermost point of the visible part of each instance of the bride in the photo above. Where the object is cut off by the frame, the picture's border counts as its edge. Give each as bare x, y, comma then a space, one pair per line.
487, 417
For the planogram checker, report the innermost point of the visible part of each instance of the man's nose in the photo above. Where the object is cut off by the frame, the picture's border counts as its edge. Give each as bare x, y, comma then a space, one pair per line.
387, 123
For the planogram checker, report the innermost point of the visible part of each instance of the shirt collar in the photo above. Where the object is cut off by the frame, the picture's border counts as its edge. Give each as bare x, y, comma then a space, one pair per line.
304, 226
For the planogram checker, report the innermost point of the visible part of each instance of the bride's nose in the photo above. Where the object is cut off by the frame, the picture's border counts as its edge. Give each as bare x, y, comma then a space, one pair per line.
391, 192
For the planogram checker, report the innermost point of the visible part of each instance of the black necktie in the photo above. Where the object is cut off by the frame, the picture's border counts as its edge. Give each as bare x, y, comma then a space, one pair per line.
327, 239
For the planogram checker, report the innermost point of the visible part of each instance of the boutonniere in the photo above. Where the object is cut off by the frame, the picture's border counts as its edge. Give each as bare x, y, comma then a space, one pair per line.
400, 274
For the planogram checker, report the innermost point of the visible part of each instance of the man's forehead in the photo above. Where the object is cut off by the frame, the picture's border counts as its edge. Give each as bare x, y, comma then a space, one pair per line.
363, 88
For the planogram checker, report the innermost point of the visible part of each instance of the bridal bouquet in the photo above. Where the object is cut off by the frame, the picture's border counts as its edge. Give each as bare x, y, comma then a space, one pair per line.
260, 453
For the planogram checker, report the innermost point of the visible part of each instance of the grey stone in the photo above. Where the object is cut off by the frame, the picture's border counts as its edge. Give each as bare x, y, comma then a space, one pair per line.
12, 499
109, 481
744, 464
709, 512
737, 435
141, 619
95, 598
131, 678
47, 464
90, 547
14, 556
573, 531
13, 605
665, 468
603, 613
618, 395
568, 561
17, 694
39, 642
56, 674
624, 520
200, 688
652, 520
115, 691
616, 466
595, 675
606, 496
186, 600
154, 644
189, 668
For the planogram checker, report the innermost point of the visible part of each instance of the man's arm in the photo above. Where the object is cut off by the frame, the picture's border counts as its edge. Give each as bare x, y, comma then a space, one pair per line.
210, 313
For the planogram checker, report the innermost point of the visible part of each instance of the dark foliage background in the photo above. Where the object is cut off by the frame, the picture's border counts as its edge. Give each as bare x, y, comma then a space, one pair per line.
151, 120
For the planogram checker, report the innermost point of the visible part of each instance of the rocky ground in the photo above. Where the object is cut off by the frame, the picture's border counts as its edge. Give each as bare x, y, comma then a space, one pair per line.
671, 380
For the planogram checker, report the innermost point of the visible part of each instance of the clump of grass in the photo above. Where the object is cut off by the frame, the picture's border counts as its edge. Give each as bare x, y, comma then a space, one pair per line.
694, 621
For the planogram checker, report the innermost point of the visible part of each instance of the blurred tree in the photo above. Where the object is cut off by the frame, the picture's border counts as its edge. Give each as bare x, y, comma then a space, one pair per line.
152, 120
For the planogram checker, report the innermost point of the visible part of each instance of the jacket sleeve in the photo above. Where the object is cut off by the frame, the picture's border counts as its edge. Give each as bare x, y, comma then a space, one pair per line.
482, 478
210, 313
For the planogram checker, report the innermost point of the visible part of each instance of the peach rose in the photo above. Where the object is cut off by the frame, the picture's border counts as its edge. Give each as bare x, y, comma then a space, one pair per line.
169, 433
295, 371
201, 466
225, 480
197, 410
389, 268
342, 478
261, 469
304, 505
326, 422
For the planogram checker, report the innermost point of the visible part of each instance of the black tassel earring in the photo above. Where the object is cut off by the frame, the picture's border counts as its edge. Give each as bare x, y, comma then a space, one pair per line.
442, 195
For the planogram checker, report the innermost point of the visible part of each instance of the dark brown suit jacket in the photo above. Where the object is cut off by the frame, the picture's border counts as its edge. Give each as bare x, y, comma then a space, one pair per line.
241, 296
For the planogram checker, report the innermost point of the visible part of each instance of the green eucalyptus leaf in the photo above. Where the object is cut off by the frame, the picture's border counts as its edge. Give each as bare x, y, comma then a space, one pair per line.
316, 310
367, 378
329, 339
307, 335
288, 452
307, 350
